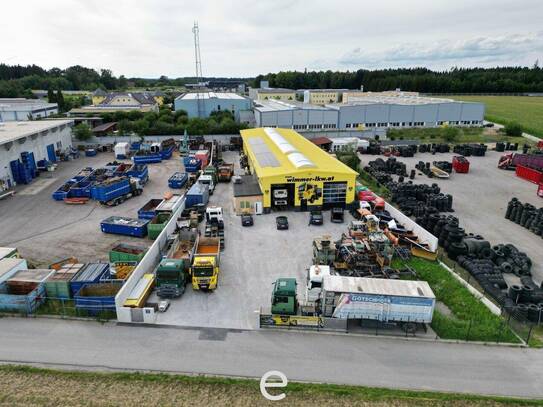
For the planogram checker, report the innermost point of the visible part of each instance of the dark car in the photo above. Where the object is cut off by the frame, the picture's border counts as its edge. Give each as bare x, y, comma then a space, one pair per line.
316, 218
246, 220
336, 215
282, 222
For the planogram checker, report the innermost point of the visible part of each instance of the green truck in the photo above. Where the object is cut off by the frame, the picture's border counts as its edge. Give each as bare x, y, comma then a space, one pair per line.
171, 278
284, 300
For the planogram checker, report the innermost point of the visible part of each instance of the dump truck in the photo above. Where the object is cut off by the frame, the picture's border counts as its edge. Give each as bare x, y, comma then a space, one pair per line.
171, 278
115, 191
183, 247
205, 264
226, 171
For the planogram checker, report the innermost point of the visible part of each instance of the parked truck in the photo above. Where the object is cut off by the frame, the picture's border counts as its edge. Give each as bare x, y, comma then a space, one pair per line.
115, 191
205, 264
226, 172
171, 278
207, 180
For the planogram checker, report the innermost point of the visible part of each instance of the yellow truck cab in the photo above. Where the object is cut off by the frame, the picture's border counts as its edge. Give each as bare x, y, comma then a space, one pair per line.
205, 264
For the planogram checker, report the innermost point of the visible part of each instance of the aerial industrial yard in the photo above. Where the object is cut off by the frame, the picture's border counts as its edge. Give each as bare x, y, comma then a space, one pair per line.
366, 232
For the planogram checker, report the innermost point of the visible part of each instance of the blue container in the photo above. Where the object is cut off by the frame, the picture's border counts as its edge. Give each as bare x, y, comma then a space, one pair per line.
91, 152
135, 146
118, 225
148, 211
108, 191
167, 152
97, 297
140, 171
91, 273
147, 159
193, 165
197, 194
178, 180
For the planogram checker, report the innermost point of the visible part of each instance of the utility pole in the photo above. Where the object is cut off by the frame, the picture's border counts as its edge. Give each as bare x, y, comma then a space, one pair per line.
199, 77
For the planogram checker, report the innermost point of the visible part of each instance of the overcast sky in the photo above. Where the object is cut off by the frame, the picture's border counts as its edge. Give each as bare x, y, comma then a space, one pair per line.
147, 38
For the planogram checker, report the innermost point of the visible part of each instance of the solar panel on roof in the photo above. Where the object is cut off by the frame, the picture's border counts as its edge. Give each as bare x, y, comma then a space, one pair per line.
262, 153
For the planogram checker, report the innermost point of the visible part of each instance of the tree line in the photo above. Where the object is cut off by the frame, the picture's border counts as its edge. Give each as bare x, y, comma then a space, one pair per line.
456, 80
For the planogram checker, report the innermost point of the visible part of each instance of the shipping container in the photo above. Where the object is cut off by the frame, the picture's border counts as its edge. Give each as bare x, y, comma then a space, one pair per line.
8, 252
118, 225
58, 284
89, 274
95, 298
377, 299
197, 194
126, 252
148, 211
110, 189
9, 266
193, 165
170, 205
177, 180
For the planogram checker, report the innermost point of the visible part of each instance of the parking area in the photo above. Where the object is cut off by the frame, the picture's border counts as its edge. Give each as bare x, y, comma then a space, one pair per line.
480, 199
45, 230
253, 258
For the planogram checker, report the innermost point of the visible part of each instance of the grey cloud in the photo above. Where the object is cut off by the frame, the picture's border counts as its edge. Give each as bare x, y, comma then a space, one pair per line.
485, 49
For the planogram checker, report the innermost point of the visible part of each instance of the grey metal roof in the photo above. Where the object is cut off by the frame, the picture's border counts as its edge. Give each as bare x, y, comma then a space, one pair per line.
11, 131
377, 286
248, 187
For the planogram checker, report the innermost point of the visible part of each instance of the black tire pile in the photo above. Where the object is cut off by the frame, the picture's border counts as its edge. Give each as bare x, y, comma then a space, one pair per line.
406, 151
467, 150
425, 167
434, 148
506, 146
487, 264
525, 215
390, 166
374, 148
444, 165
419, 199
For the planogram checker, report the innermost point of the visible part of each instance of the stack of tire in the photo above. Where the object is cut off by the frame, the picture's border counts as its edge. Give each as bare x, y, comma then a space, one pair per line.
486, 274
424, 167
417, 199
434, 148
407, 151
525, 215
374, 148
526, 299
467, 150
390, 166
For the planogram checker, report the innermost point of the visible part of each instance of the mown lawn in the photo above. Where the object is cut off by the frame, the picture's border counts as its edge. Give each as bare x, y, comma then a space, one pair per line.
526, 110
470, 319
23, 386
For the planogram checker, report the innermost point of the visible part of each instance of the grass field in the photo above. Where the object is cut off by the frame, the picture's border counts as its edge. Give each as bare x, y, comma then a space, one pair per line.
465, 135
24, 386
528, 111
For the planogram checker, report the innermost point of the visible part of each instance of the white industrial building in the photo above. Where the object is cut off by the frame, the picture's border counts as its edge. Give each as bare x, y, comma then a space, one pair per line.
30, 140
371, 114
20, 109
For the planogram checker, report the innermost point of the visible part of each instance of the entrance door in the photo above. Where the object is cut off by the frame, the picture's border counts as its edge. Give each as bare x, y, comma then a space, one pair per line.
51, 153
258, 208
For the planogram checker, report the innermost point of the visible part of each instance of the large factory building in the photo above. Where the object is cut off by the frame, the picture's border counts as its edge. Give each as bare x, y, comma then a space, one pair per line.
293, 172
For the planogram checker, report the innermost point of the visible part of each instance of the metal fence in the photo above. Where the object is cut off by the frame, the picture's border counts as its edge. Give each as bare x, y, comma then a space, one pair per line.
65, 307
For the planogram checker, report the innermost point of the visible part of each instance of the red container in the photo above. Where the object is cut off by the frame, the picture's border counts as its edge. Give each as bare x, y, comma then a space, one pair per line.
529, 174
366, 195
460, 164
540, 190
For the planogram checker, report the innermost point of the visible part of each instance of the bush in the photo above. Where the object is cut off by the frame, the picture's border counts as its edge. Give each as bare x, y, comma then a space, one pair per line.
82, 132
513, 129
450, 134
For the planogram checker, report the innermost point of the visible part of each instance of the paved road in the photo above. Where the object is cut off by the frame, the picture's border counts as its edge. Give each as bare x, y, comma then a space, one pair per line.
302, 357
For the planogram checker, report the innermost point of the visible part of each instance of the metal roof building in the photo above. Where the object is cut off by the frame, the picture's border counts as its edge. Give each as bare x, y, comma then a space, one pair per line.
23, 144
373, 113
20, 109
293, 172
202, 104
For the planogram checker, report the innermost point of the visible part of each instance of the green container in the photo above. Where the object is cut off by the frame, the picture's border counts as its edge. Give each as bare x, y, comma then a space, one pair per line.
126, 252
157, 225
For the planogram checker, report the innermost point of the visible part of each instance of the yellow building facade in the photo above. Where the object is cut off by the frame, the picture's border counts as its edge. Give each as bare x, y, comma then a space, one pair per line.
294, 173
269, 95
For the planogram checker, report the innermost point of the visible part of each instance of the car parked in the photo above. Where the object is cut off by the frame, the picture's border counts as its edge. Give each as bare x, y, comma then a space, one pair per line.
336, 215
316, 218
281, 222
163, 305
247, 220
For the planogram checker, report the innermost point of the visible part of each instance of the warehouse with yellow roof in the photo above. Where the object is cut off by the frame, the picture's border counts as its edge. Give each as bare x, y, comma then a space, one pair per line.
292, 172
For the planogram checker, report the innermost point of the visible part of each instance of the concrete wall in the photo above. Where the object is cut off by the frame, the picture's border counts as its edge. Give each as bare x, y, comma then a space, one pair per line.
145, 266
36, 144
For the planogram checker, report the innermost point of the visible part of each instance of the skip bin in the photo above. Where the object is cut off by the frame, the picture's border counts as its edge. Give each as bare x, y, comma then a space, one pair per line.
148, 211
118, 225
126, 252
95, 298
177, 180
157, 225
197, 194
